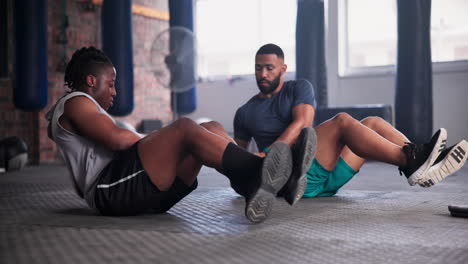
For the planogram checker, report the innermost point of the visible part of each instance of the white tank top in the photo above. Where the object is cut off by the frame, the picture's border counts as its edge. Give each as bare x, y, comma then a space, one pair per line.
84, 159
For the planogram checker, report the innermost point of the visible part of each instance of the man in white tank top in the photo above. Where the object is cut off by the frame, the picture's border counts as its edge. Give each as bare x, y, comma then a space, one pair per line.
119, 172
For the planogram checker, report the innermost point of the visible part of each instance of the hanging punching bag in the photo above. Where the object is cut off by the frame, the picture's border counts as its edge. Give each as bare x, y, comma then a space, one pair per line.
413, 96
181, 14
310, 47
30, 29
117, 44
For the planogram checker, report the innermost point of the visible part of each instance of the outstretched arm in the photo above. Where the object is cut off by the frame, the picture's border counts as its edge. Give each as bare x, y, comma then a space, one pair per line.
82, 117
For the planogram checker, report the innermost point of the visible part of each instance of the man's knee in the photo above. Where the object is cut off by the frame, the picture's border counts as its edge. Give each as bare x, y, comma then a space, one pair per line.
343, 118
372, 121
212, 126
185, 123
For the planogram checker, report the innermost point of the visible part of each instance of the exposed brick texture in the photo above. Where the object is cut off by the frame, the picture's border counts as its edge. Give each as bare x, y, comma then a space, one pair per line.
84, 29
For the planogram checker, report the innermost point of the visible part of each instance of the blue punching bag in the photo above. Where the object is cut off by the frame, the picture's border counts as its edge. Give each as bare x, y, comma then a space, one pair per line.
117, 44
30, 84
181, 14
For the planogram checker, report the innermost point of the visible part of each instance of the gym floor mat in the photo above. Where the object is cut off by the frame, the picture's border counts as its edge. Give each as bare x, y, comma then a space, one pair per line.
376, 218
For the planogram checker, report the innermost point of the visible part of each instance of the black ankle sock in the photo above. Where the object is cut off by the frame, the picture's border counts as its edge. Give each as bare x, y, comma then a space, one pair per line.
242, 168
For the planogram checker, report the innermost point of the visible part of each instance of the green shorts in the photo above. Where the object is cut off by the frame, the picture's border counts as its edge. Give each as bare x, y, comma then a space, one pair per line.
322, 182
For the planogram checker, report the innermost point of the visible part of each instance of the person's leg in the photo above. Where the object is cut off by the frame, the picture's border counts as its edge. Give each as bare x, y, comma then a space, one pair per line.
449, 161
119, 200
329, 172
218, 129
161, 153
189, 167
384, 129
239, 186
343, 130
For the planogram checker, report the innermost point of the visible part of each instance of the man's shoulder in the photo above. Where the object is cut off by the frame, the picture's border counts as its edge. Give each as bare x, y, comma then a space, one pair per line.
300, 87
78, 102
81, 99
62, 101
298, 83
78, 96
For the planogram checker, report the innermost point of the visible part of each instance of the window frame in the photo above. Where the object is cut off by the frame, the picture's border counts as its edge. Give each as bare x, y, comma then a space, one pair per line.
346, 71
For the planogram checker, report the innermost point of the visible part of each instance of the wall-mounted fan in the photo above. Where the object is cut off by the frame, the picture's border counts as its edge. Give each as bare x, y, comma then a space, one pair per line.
173, 60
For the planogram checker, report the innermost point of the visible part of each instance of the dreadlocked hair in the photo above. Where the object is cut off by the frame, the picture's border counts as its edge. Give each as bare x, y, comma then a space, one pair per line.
85, 61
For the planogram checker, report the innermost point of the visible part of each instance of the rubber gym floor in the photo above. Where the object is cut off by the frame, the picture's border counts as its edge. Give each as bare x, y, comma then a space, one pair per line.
376, 218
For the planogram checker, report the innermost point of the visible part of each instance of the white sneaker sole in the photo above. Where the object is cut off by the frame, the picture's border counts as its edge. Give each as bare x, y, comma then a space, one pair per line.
454, 161
438, 147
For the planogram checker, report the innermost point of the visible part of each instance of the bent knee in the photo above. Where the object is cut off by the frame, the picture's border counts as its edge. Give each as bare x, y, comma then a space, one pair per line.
342, 118
372, 121
184, 123
212, 125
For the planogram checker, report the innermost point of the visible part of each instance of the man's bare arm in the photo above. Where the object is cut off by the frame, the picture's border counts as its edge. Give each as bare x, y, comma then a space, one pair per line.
303, 116
85, 120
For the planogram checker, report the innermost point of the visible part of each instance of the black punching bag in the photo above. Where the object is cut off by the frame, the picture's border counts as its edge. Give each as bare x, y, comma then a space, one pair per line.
310, 47
413, 96
181, 14
30, 28
117, 44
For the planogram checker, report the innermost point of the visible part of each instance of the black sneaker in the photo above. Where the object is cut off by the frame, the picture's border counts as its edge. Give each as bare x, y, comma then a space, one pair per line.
303, 152
449, 161
276, 169
421, 157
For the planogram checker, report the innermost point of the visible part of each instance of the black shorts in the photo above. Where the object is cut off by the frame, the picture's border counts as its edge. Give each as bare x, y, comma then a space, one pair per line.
124, 188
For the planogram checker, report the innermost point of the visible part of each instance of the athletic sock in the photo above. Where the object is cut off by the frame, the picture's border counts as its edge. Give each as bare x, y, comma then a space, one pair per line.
242, 168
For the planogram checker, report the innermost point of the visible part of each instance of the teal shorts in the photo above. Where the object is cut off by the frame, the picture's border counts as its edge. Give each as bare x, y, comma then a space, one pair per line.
322, 182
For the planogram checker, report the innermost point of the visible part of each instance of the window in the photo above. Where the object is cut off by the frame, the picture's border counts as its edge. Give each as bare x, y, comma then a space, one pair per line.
449, 30
370, 38
371, 35
230, 32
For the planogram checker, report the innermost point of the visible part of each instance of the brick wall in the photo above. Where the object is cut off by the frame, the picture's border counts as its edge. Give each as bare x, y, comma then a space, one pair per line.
151, 100
14, 122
